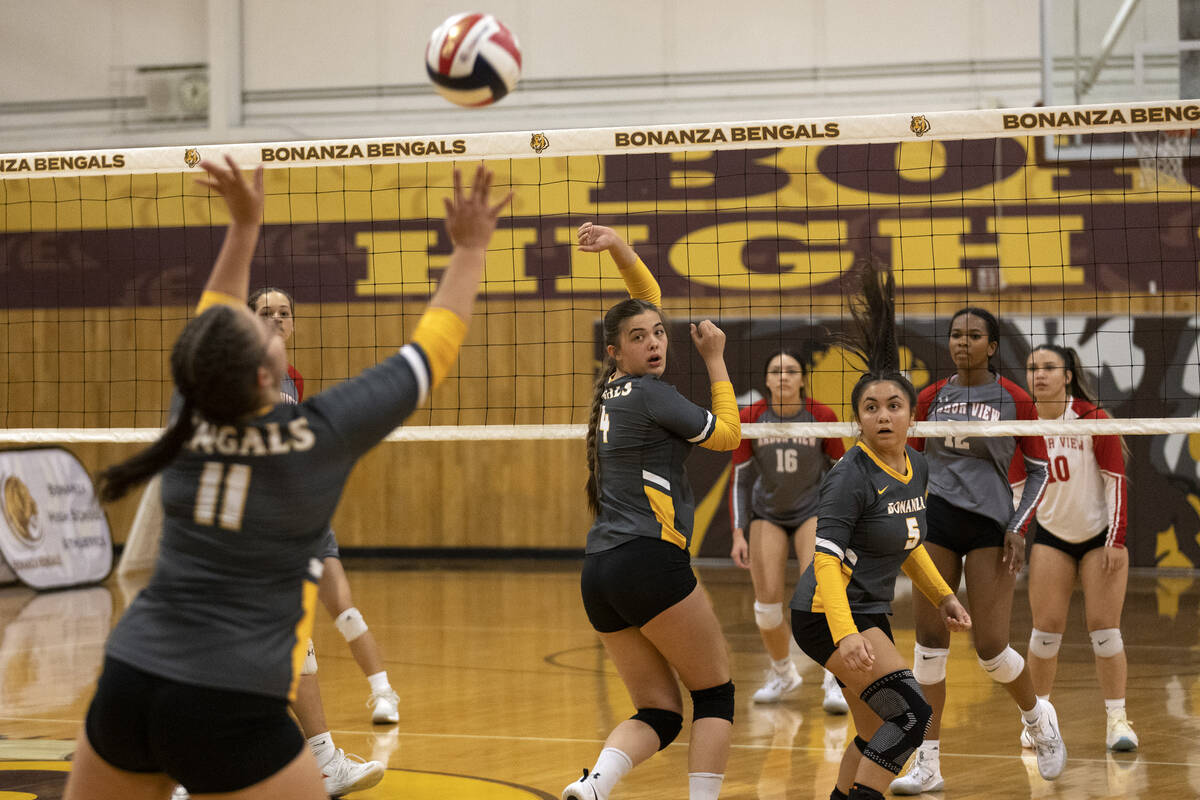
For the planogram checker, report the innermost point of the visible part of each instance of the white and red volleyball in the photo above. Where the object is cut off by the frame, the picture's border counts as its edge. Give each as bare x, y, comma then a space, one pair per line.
473, 59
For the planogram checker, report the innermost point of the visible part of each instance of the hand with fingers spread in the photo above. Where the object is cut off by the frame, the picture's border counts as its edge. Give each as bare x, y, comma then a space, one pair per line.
244, 200
470, 216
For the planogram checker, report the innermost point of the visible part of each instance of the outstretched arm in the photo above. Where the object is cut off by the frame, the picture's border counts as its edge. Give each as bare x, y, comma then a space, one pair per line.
230, 274
470, 220
638, 280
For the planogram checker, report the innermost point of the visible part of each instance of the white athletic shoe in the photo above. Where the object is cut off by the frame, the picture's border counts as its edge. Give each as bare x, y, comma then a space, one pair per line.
778, 684
1120, 737
349, 773
1048, 744
835, 701
385, 707
180, 793
1026, 738
924, 775
582, 789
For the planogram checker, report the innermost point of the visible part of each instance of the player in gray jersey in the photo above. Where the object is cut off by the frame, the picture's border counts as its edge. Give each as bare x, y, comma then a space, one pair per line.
870, 525
976, 535
199, 670
638, 589
774, 487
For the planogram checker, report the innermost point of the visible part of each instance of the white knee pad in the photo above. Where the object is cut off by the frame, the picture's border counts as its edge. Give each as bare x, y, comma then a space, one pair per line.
350, 623
309, 667
1043, 644
1107, 642
1004, 668
929, 664
769, 616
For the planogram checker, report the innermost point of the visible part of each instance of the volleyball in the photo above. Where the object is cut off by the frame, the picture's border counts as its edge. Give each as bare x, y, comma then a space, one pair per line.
473, 59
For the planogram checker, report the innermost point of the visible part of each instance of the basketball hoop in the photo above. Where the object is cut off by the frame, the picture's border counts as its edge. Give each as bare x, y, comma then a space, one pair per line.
1161, 153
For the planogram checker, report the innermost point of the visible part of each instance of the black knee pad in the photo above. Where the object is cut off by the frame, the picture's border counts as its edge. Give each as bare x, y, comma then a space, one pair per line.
716, 701
897, 699
860, 792
666, 724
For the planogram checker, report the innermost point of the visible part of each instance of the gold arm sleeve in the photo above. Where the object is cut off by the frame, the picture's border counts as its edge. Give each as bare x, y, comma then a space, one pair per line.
210, 298
832, 591
440, 334
727, 428
925, 576
641, 284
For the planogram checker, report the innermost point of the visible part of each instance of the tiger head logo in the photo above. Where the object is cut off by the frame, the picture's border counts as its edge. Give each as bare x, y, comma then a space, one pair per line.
21, 512
539, 142
191, 156
919, 125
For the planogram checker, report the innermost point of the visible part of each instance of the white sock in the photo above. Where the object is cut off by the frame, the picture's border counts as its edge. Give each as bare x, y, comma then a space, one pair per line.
782, 666
379, 682
704, 785
322, 748
1032, 715
1043, 697
1114, 705
611, 766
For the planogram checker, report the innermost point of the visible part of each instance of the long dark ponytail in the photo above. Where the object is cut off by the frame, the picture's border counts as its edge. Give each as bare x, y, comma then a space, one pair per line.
613, 320
215, 365
874, 312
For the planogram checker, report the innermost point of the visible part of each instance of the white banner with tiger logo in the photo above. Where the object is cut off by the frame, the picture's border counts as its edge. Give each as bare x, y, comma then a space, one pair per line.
54, 532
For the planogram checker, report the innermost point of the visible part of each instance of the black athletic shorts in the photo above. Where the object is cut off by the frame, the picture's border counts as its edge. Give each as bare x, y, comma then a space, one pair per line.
958, 529
209, 740
810, 629
1076, 550
789, 525
633, 583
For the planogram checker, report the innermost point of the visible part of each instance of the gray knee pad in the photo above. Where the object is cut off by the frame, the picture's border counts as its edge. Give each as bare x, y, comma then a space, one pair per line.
667, 724
716, 701
897, 699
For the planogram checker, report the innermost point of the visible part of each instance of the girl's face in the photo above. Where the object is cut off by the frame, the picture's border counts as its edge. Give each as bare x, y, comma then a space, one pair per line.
1047, 375
641, 348
275, 354
969, 345
785, 377
277, 310
884, 415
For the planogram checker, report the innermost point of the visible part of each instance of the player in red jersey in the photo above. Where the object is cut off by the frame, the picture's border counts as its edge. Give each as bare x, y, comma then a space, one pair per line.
1080, 533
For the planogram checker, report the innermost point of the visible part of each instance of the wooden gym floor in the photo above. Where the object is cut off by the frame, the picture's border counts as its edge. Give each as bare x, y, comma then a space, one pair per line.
506, 692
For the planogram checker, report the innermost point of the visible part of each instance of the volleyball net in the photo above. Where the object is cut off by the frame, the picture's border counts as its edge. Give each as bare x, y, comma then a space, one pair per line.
1075, 225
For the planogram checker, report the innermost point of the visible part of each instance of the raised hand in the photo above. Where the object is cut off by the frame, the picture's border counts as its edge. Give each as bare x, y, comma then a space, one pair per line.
244, 200
471, 217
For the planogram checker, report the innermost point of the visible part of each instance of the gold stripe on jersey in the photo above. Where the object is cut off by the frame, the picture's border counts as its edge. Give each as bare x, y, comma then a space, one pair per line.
908, 468
919, 567
440, 333
304, 629
210, 298
640, 283
727, 428
833, 577
664, 511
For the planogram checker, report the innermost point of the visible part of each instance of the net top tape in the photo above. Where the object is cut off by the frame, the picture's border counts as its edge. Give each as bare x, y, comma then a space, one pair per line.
449, 433
934, 125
